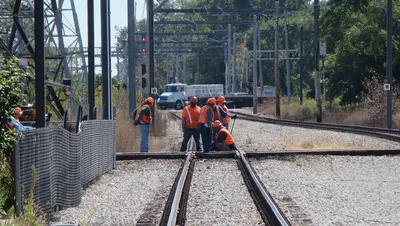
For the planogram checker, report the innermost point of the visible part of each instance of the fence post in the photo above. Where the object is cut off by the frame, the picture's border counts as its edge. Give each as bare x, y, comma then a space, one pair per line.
17, 179
78, 118
65, 119
94, 113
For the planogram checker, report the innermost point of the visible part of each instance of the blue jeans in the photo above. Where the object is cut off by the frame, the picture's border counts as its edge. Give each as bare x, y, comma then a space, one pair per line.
206, 137
144, 137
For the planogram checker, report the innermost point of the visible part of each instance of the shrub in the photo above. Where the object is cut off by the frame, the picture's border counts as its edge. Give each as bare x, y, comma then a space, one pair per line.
375, 101
11, 78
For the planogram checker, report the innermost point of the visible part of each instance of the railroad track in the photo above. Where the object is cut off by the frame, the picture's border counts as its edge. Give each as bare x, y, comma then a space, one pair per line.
389, 134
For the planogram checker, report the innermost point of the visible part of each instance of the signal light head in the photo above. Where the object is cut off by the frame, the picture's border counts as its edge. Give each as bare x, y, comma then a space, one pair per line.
143, 38
144, 50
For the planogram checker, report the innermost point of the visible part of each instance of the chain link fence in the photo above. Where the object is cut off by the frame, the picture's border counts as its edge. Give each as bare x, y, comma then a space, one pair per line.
65, 162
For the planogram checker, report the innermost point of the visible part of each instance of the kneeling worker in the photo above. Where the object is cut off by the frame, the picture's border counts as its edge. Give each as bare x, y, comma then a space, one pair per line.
223, 138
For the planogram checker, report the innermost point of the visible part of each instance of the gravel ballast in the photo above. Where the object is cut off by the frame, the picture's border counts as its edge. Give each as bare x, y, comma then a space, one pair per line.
219, 196
121, 196
334, 190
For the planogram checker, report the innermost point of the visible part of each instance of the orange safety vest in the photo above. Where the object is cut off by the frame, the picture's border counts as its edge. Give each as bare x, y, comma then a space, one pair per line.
203, 114
229, 139
191, 116
227, 119
146, 118
217, 115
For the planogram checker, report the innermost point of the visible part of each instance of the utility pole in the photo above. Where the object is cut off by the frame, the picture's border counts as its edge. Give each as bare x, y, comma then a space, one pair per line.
260, 61
246, 64
91, 61
184, 68
287, 60
234, 65
228, 64
276, 61
150, 41
301, 65
255, 102
176, 67
198, 68
105, 54
389, 31
131, 56
39, 64
316, 49
244, 79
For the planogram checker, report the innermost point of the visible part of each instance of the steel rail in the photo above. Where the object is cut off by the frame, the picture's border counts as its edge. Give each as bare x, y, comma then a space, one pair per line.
270, 212
370, 131
173, 210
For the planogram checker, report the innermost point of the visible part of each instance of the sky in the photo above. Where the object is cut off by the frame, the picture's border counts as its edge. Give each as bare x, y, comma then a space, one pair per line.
118, 18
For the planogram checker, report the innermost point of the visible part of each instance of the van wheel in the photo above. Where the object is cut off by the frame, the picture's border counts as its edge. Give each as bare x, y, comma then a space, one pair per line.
178, 105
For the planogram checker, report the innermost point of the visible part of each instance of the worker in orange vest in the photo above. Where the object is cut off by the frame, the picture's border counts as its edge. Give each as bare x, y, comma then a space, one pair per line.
223, 139
205, 120
223, 116
190, 118
143, 117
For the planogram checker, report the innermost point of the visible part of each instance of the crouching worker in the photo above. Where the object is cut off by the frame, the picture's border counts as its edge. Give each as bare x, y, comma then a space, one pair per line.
223, 139
143, 118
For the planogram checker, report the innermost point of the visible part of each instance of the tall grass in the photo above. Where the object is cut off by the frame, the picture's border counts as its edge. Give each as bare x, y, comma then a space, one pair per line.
371, 111
128, 136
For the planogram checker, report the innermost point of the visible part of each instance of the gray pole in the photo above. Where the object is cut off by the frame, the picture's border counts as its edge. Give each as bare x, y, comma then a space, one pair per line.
184, 69
91, 61
176, 67
246, 72
255, 64
150, 40
301, 66
317, 75
228, 62
234, 65
39, 64
104, 58
260, 62
389, 62
287, 60
198, 68
131, 56
276, 61
167, 78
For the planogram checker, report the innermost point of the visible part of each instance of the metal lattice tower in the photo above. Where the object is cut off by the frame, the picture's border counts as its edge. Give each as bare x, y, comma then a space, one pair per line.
65, 58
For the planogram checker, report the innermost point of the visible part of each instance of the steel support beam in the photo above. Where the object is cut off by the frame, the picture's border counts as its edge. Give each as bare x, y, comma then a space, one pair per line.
105, 53
39, 64
255, 102
131, 56
214, 11
182, 33
316, 61
204, 22
91, 60
150, 40
17, 5
389, 56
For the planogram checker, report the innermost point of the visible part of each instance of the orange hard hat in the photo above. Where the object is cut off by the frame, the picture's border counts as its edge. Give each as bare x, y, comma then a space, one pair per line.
149, 100
216, 124
212, 101
221, 99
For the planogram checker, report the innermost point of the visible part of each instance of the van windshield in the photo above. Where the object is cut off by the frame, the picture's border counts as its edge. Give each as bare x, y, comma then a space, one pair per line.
172, 89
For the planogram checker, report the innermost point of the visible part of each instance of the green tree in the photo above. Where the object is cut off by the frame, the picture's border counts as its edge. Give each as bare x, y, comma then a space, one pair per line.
11, 78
